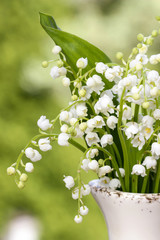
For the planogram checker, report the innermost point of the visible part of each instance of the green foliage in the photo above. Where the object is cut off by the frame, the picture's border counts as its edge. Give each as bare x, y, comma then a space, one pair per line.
74, 47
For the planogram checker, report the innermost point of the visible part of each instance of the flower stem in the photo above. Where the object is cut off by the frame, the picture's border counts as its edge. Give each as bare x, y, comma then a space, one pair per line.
136, 111
157, 178
145, 182
77, 145
134, 183
29, 143
115, 165
117, 154
123, 144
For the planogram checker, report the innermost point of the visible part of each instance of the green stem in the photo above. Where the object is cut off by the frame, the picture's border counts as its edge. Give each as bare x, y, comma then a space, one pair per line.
115, 165
77, 145
145, 182
134, 183
65, 109
123, 144
117, 154
79, 194
157, 178
29, 143
136, 111
116, 150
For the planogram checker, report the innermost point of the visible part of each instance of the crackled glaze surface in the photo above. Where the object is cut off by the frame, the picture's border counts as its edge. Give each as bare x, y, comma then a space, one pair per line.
129, 216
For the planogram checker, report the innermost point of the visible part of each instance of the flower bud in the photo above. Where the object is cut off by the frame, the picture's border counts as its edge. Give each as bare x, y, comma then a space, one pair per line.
154, 33
23, 177
149, 41
59, 63
45, 64
100, 161
11, 171
83, 126
135, 50
139, 45
158, 18
119, 55
82, 93
140, 37
21, 185
145, 105
74, 97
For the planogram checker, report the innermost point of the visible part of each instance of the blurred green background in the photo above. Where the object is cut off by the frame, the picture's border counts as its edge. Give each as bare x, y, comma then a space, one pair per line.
27, 92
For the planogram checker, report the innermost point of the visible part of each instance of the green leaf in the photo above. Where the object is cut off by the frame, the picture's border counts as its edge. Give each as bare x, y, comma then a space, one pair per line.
74, 47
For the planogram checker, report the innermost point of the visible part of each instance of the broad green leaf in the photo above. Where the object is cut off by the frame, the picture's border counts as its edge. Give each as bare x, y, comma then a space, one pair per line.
74, 47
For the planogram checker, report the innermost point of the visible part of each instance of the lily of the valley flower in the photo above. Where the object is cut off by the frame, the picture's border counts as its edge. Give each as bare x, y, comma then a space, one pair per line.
155, 149
29, 167
139, 169
106, 139
43, 123
63, 139
84, 210
69, 181
78, 219
56, 49
114, 184
150, 162
82, 62
111, 122
44, 144
104, 170
33, 154
101, 67
92, 138
93, 165
95, 83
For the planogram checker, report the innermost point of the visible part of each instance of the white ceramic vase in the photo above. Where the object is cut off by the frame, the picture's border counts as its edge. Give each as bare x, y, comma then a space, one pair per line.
129, 216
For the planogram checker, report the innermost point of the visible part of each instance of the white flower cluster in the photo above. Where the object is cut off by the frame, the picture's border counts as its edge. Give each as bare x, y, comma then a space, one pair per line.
44, 144
78, 193
120, 125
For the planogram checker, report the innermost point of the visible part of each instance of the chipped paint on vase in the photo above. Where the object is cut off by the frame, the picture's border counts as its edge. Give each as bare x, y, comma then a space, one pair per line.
129, 216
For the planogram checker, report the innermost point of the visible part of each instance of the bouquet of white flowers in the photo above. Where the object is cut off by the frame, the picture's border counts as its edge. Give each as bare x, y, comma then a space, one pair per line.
114, 108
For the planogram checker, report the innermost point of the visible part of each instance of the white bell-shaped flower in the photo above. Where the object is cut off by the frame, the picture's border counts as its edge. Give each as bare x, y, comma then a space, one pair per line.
69, 181
44, 144
139, 169
114, 184
63, 139
150, 162
43, 123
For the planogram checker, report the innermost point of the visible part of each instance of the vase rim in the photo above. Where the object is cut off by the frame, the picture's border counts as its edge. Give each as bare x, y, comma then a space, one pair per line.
94, 184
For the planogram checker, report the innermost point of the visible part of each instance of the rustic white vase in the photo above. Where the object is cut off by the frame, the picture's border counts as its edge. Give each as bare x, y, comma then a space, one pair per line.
129, 216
